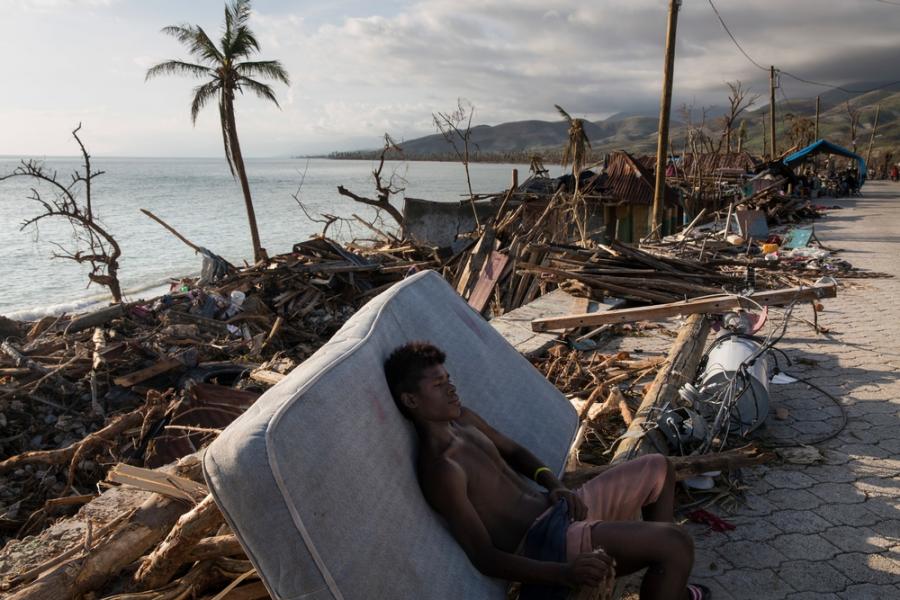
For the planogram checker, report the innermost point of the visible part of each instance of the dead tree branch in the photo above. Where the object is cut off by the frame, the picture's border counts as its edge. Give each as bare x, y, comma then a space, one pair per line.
384, 189
93, 243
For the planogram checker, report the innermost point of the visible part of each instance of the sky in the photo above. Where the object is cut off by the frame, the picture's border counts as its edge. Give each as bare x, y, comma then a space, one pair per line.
359, 69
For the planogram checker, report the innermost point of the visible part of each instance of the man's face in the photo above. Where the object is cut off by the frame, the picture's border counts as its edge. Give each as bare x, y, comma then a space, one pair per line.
436, 398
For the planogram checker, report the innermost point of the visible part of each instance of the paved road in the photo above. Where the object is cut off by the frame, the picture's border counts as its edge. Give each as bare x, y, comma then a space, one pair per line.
832, 529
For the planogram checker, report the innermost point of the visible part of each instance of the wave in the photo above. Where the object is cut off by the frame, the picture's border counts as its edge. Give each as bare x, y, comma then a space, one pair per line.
94, 301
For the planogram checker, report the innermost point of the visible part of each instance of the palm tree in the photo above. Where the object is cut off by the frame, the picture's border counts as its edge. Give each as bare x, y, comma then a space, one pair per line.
577, 144
226, 70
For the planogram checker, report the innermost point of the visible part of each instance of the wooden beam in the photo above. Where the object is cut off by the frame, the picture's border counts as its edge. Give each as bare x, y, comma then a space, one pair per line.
716, 304
679, 368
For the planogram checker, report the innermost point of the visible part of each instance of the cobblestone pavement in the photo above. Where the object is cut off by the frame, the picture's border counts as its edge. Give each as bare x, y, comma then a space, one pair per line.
831, 529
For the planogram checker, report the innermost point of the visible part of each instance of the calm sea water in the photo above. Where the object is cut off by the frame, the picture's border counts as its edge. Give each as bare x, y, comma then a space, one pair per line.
200, 199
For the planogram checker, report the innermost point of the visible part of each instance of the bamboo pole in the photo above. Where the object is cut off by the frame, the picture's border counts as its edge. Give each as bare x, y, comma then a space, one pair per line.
679, 368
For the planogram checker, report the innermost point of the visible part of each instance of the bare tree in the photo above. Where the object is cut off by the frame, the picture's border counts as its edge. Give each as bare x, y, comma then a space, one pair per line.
93, 243
801, 130
456, 127
385, 189
853, 115
739, 100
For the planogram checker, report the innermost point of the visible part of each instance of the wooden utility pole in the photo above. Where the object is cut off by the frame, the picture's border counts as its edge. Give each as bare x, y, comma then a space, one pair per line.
665, 106
765, 139
872, 139
772, 112
817, 118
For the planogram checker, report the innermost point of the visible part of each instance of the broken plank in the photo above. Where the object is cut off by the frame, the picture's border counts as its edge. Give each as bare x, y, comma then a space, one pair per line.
487, 280
716, 304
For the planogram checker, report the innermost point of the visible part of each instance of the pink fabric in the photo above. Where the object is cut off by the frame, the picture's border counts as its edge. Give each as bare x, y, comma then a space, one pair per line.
616, 495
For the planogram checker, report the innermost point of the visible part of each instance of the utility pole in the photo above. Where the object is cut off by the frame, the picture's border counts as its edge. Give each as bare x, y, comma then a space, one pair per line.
765, 141
817, 118
772, 111
872, 139
665, 107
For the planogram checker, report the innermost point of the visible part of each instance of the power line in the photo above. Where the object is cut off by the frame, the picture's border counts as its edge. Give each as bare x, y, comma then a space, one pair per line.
791, 75
728, 31
888, 2
837, 87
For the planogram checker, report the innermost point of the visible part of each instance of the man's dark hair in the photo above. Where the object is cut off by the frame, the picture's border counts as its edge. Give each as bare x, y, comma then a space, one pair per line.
404, 368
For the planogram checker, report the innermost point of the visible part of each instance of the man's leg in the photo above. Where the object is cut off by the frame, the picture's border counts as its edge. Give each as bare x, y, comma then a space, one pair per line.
665, 549
663, 509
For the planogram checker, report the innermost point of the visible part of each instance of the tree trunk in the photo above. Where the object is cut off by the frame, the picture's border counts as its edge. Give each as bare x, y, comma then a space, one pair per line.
238, 161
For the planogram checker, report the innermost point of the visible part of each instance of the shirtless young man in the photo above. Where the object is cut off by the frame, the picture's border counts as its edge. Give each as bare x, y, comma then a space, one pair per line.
475, 477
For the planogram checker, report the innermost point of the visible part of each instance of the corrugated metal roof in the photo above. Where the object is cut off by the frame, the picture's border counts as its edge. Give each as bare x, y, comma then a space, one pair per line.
627, 180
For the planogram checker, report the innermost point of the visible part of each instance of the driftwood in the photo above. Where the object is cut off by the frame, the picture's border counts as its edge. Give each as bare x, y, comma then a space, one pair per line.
159, 567
101, 561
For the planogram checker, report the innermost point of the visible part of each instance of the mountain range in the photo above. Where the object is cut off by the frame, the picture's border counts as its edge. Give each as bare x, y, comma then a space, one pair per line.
637, 132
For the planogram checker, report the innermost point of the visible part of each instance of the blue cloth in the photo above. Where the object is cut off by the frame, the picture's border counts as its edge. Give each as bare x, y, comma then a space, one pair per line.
546, 541
824, 146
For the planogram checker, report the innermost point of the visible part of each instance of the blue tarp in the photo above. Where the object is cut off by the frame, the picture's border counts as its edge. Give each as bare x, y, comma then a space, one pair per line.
826, 147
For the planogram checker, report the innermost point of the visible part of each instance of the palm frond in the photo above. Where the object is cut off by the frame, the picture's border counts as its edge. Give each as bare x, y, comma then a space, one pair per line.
260, 89
272, 69
203, 46
565, 115
202, 95
196, 40
243, 43
178, 67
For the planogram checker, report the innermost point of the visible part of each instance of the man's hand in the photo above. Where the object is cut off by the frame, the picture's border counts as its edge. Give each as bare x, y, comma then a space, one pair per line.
592, 569
577, 508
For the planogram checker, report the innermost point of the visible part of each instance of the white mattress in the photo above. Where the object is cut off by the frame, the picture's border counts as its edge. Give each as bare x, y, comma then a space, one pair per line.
317, 478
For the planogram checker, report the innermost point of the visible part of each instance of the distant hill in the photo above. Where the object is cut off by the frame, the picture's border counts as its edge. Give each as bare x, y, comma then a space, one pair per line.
637, 131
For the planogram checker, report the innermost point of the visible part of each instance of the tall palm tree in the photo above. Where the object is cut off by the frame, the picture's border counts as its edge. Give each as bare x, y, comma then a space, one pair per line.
226, 70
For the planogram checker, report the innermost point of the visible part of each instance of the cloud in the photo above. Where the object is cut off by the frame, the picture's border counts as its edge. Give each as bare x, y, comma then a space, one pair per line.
359, 69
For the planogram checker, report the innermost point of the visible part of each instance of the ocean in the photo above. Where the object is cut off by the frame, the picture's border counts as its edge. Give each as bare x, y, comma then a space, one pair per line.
199, 198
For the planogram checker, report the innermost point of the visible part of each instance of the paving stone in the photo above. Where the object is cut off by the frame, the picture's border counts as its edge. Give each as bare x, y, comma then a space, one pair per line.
789, 479
857, 539
798, 521
709, 563
795, 499
805, 546
753, 529
810, 576
751, 555
867, 568
887, 508
747, 584
868, 591
878, 486
832, 474
838, 493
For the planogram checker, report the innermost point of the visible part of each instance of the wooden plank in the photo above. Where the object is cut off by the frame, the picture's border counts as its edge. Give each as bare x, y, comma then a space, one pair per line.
487, 279
265, 376
717, 304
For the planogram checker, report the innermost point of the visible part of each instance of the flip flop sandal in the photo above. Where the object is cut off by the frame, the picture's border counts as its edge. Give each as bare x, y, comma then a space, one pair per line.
699, 592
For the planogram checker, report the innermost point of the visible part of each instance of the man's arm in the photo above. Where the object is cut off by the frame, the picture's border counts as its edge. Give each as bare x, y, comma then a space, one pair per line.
445, 489
525, 463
